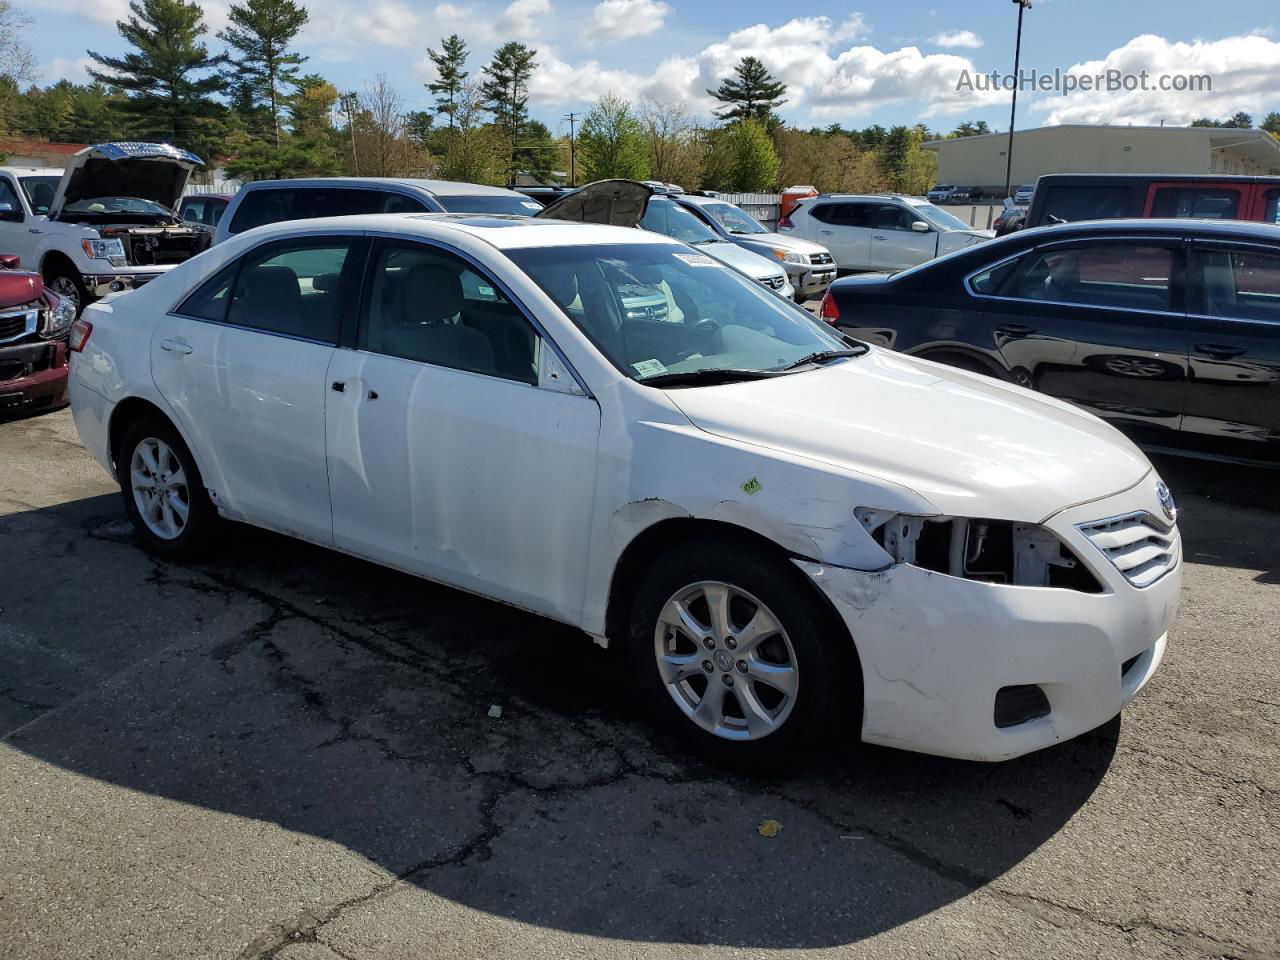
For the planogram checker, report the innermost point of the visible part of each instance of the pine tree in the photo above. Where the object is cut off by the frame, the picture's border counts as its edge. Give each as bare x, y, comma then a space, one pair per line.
505, 88
261, 32
1272, 123
168, 98
753, 93
449, 63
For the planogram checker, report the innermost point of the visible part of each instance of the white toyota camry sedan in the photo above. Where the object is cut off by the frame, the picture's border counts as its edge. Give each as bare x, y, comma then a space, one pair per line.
788, 534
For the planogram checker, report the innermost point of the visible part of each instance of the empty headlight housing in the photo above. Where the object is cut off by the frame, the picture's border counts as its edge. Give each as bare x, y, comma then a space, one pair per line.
989, 551
112, 250
58, 319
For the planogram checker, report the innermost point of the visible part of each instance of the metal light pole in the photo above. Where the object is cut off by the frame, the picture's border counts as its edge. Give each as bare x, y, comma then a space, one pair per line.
1023, 7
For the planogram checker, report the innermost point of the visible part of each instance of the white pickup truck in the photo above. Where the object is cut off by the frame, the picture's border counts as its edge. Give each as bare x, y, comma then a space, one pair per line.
107, 222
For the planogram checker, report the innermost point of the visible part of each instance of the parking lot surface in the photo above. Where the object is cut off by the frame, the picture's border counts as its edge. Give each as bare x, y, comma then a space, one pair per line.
283, 752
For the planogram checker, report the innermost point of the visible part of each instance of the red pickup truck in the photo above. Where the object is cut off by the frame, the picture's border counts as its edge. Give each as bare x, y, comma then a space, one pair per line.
34, 326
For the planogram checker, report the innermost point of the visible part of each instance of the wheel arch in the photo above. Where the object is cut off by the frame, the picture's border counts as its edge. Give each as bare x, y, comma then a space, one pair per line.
670, 533
128, 412
55, 259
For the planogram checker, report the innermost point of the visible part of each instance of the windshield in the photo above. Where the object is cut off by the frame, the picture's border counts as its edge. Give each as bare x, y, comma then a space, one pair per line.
40, 191
521, 206
116, 205
939, 218
734, 219
673, 220
657, 309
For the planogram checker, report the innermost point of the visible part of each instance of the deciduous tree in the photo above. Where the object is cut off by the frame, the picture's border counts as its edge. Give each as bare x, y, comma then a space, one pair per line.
612, 143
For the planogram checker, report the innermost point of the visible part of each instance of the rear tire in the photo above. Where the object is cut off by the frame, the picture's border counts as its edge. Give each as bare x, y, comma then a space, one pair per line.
163, 491
737, 658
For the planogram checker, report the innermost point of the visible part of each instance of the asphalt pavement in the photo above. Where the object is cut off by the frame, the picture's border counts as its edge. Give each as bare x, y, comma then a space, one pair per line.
283, 752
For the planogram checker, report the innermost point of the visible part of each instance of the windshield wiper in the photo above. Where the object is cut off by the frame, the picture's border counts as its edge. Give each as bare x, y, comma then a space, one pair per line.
706, 377
698, 243
822, 356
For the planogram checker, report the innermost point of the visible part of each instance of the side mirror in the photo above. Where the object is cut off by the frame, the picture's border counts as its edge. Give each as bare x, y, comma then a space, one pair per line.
9, 213
9, 261
919, 226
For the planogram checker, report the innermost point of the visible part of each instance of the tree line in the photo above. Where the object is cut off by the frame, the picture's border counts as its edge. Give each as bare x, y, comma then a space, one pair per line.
252, 106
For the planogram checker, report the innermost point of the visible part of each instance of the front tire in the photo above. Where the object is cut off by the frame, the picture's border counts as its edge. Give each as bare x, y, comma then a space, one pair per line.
738, 659
163, 491
67, 285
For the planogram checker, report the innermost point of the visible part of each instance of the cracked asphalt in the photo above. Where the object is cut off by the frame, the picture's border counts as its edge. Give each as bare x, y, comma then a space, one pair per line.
283, 752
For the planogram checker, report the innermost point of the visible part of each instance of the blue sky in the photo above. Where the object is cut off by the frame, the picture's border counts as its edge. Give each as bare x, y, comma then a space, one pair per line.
870, 62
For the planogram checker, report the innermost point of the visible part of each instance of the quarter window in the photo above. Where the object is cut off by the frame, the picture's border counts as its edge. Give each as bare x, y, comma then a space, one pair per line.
1129, 276
1242, 284
1271, 210
428, 305
994, 279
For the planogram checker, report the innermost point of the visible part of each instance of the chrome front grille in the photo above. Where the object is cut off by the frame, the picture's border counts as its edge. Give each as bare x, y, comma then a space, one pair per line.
18, 323
820, 259
1137, 544
775, 283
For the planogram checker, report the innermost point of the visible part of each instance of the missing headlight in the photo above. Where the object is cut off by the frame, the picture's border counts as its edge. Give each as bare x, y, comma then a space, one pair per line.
989, 551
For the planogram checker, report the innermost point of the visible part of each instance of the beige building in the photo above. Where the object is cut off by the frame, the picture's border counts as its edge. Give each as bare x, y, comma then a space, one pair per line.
980, 161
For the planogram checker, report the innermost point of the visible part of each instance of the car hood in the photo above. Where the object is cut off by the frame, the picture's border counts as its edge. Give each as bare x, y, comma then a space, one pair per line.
146, 171
970, 445
18, 288
754, 265
781, 241
618, 203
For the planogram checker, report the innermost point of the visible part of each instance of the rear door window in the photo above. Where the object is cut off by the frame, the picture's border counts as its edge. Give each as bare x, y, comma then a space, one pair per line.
1116, 275
1072, 204
1242, 284
293, 288
259, 207
1213, 203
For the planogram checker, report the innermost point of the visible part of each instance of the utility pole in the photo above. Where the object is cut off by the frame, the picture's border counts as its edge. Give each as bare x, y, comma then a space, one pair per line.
573, 151
349, 106
1023, 7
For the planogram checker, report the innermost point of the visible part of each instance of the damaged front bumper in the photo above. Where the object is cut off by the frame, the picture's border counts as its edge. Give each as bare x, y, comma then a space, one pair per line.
937, 650
100, 284
33, 376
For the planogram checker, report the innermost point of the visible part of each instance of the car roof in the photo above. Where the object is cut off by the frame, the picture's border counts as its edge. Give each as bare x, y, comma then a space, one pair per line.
1227, 229
443, 188
42, 171
694, 200
505, 232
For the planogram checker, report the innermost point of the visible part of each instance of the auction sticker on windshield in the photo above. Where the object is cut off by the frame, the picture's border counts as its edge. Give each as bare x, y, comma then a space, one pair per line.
649, 368
696, 259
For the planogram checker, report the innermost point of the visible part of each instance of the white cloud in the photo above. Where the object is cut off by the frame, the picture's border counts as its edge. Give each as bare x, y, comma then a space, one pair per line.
1242, 70
622, 19
521, 19
62, 68
105, 12
959, 38
557, 82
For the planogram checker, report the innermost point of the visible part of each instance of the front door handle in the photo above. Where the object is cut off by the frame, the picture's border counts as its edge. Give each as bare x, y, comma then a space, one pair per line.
879, 237
1218, 351
1015, 329
825, 233
175, 346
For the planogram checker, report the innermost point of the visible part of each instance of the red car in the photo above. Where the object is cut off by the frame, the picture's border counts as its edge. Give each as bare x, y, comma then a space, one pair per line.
34, 326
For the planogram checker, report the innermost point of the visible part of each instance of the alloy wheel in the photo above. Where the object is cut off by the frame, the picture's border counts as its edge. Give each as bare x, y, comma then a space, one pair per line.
159, 487
66, 288
726, 661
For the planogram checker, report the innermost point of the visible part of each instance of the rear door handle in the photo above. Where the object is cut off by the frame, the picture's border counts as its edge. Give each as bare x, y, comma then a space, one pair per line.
175, 346
879, 237
1015, 329
825, 233
1219, 351
338, 386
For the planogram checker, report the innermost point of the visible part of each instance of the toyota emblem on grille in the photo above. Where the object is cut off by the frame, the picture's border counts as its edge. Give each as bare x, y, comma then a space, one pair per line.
1166, 501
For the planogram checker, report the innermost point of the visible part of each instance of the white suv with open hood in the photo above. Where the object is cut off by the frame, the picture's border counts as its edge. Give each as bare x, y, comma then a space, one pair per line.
107, 222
